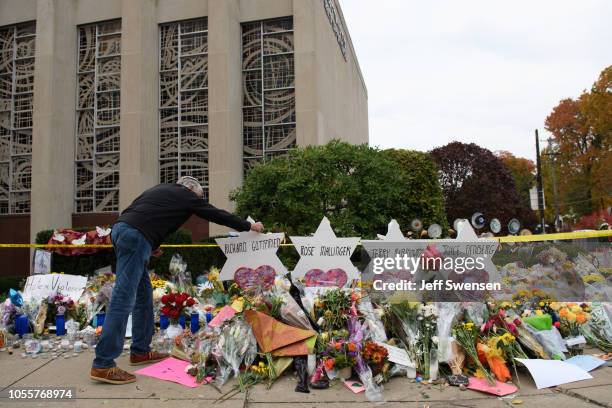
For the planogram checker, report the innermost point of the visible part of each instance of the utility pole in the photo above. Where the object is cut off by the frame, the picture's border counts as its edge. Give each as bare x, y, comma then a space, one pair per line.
539, 182
552, 155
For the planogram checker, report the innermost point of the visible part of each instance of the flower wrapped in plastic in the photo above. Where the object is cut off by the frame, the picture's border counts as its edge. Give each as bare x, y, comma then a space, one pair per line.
290, 311
236, 345
376, 328
373, 391
448, 313
598, 331
180, 276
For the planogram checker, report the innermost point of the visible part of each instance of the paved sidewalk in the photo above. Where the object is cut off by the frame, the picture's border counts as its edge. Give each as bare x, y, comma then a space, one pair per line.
16, 371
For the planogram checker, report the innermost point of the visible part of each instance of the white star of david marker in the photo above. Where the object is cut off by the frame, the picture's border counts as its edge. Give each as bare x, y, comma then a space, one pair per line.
394, 233
325, 251
251, 249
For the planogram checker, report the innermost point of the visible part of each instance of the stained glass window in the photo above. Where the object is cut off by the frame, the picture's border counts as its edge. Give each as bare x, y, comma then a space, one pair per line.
183, 101
268, 79
98, 115
17, 48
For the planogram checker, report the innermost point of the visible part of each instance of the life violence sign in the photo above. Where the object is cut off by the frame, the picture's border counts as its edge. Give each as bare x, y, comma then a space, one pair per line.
42, 286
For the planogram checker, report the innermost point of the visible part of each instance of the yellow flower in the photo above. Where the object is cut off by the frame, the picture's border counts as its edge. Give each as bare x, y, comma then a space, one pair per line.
575, 308
571, 317
539, 312
541, 304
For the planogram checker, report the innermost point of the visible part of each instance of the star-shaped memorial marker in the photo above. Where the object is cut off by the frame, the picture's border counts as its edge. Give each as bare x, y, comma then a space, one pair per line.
425, 260
325, 260
251, 259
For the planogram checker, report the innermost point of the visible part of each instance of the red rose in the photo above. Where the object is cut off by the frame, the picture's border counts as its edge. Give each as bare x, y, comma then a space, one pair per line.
190, 302
164, 299
174, 313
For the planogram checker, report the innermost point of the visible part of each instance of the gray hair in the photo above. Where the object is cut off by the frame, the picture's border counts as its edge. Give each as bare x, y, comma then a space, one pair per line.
191, 183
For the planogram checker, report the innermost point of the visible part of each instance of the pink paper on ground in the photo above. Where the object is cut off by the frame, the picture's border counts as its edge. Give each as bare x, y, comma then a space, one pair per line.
354, 386
225, 313
170, 369
499, 388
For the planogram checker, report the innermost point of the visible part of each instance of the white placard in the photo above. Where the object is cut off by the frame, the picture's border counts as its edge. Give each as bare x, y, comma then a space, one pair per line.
251, 250
549, 373
397, 355
42, 286
42, 262
574, 341
128, 328
325, 251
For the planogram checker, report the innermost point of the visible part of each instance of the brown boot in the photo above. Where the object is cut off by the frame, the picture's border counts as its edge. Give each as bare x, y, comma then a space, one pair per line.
147, 358
113, 375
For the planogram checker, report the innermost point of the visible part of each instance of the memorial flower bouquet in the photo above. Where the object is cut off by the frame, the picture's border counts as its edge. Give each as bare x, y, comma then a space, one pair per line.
402, 321
59, 304
331, 309
174, 305
598, 331
466, 335
427, 344
340, 353
236, 345
572, 316
375, 356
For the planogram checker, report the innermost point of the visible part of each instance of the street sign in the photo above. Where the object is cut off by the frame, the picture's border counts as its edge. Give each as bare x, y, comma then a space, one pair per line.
533, 198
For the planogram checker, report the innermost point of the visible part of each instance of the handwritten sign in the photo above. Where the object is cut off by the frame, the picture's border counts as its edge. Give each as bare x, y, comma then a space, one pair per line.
252, 254
325, 260
42, 286
398, 355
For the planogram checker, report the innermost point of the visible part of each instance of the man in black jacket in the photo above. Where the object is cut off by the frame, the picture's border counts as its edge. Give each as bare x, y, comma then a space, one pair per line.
136, 236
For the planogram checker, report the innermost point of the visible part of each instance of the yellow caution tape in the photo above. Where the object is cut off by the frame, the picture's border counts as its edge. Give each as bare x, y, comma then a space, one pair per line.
510, 238
556, 237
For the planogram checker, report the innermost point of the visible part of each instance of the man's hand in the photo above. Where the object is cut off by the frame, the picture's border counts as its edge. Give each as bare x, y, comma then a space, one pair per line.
157, 253
257, 226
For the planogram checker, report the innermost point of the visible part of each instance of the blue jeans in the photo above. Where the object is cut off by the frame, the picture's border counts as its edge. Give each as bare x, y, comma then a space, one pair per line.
132, 294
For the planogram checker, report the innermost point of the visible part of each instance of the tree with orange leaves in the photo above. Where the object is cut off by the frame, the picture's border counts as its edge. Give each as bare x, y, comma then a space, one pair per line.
582, 130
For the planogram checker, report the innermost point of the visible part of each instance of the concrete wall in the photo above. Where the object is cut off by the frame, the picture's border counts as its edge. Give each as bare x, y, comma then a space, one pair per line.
331, 98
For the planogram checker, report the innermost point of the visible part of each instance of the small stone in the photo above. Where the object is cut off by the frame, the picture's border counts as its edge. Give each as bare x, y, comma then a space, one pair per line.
66, 356
24, 355
75, 354
517, 402
462, 387
34, 355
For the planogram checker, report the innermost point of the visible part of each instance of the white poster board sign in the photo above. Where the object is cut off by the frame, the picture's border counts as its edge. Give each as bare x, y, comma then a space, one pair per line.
325, 258
41, 264
42, 286
251, 256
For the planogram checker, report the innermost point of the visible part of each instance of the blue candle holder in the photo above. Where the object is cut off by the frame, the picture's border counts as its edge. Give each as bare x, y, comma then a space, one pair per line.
164, 322
182, 321
100, 319
209, 317
195, 322
22, 325
60, 325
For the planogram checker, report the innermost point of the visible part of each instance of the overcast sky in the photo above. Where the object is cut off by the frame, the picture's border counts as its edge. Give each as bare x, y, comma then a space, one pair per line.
478, 71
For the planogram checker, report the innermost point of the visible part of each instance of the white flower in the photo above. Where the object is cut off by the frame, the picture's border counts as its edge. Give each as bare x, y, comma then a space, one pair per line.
434, 339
